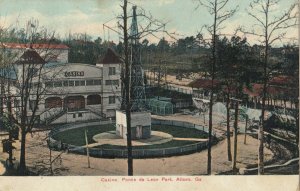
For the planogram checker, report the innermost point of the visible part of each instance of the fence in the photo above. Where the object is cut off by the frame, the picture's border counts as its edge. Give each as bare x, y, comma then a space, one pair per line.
178, 89
136, 153
182, 124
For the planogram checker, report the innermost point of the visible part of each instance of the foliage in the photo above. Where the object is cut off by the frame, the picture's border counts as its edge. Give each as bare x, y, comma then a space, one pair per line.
276, 121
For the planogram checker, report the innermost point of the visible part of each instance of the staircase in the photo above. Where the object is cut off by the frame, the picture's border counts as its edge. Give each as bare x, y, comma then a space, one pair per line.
54, 117
96, 112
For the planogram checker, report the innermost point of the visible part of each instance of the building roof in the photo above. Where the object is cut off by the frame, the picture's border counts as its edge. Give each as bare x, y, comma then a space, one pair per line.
282, 80
203, 83
111, 57
30, 56
253, 91
276, 91
35, 46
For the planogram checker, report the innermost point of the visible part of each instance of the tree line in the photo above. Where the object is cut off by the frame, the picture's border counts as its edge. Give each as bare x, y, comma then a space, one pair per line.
231, 60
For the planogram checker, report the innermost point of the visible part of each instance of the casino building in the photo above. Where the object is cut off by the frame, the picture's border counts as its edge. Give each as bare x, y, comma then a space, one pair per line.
74, 91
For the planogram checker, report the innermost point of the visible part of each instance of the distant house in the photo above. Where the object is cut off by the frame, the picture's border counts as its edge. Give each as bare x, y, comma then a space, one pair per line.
49, 52
280, 88
201, 87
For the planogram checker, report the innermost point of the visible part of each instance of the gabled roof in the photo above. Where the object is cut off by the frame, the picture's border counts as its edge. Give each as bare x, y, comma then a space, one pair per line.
111, 57
30, 56
204, 83
257, 90
34, 46
282, 80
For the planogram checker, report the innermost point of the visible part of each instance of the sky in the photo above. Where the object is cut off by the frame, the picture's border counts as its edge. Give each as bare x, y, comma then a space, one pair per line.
88, 16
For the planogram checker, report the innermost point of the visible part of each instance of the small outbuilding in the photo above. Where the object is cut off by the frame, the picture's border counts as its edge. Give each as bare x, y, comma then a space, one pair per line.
160, 107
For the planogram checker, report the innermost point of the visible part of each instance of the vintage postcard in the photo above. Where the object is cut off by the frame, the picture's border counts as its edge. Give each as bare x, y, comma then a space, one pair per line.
149, 95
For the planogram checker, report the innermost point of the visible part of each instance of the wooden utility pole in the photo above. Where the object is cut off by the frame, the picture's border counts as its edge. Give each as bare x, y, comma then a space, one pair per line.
236, 114
127, 92
87, 148
246, 126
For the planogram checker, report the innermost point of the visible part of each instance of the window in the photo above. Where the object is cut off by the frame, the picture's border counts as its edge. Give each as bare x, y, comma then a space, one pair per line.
112, 82
74, 115
97, 82
65, 83
79, 114
111, 99
111, 71
57, 84
82, 83
93, 82
49, 84
77, 83
33, 72
71, 83
90, 82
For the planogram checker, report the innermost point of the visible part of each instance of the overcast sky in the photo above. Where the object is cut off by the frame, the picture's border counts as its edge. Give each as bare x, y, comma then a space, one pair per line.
88, 16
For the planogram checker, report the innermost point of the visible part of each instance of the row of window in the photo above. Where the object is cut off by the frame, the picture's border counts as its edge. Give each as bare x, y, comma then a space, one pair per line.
71, 83
68, 83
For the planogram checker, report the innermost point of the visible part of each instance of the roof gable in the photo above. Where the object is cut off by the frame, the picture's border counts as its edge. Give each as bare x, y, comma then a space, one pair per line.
111, 57
30, 56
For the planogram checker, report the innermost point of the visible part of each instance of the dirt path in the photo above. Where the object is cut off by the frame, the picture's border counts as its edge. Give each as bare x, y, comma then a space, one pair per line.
193, 164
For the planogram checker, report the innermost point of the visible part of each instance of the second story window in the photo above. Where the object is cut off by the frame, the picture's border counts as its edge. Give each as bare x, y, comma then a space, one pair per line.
57, 84
49, 84
111, 99
111, 71
112, 82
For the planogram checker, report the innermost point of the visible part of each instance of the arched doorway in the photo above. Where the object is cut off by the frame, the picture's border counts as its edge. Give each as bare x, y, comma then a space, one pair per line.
93, 100
53, 102
74, 103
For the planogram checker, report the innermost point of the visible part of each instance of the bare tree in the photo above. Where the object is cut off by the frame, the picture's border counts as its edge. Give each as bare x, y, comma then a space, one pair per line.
6, 60
126, 83
151, 27
29, 87
270, 28
216, 8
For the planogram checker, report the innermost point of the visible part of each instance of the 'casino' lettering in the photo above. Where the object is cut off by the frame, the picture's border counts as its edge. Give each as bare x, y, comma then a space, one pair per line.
74, 73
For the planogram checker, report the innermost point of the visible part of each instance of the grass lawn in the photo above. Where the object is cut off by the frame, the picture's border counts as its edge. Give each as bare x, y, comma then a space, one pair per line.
76, 136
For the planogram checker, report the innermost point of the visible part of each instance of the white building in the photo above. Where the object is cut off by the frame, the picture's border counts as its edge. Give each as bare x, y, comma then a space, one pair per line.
50, 52
71, 92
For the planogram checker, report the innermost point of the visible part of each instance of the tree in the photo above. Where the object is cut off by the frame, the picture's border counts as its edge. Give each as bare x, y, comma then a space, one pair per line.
129, 42
6, 60
234, 58
30, 73
163, 45
270, 27
225, 68
127, 89
291, 68
216, 8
